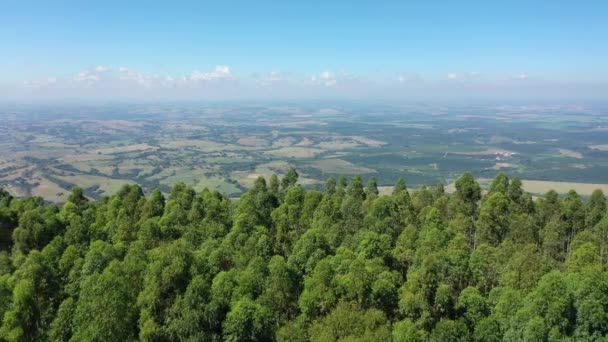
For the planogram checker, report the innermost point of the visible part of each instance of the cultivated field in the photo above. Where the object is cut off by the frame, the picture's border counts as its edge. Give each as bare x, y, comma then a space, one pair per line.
227, 146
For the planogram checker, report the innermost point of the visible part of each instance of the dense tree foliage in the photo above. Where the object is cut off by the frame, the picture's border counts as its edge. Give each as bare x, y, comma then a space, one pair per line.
288, 264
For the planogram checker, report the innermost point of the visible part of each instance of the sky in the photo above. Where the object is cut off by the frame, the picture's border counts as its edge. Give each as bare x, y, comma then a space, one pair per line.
303, 49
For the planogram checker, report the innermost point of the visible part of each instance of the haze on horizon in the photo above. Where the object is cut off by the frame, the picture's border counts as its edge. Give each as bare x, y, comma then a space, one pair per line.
191, 50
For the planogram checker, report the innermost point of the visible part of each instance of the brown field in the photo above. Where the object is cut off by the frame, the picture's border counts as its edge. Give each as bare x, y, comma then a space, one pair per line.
216, 183
265, 170
268, 169
85, 157
204, 145
43, 153
15, 174
297, 124
368, 141
283, 142
570, 154
338, 144
603, 148
165, 172
117, 125
500, 166
497, 139
304, 142
179, 126
277, 166
486, 152
385, 190
49, 190
16, 190
540, 187
141, 169
125, 149
53, 145
190, 176
295, 151
252, 141
247, 179
107, 186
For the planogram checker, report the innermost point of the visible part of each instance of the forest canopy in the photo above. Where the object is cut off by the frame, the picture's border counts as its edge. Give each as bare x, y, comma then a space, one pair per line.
283, 263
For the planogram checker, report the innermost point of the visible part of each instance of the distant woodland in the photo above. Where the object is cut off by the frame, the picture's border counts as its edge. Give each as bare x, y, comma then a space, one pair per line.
283, 263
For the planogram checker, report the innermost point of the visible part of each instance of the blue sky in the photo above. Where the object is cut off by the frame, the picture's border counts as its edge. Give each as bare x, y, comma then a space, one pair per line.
552, 46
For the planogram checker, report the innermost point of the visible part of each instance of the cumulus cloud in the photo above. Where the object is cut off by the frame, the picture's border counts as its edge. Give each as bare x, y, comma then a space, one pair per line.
122, 77
108, 76
221, 72
148, 80
220, 82
86, 76
326, 78
460, 76
269, 79
101, 68
91, 75
129, 75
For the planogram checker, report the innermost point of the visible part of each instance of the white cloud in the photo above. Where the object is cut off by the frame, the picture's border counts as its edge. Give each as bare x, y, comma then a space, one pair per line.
274, 76
86, 76
91, 75
453, 76
101, 68
331, 79
409, 77
221, 72
460, 76
142, 79
221, 82
109, 76
326, 78
150, 80
43, 83
521, 77
269, 79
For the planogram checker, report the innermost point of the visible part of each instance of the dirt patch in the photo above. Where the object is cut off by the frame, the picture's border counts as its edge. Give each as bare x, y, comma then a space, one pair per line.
570, 154
603, 148
540, 187
338, 144
501, 166
295, 152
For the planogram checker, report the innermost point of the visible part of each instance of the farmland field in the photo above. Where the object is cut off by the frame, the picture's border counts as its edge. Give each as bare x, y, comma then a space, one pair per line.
44, 151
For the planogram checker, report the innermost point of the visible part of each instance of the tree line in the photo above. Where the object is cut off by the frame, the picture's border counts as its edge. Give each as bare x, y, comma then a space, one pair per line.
283, 263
